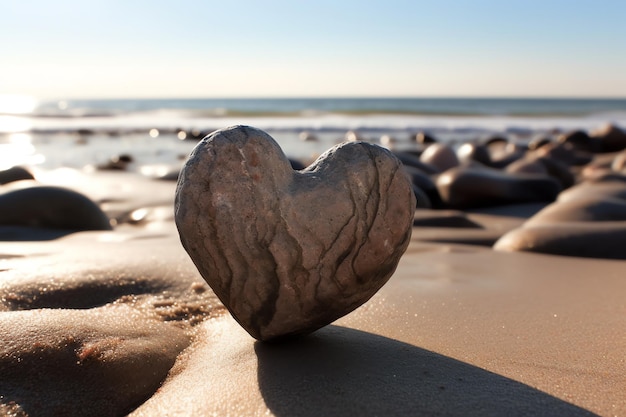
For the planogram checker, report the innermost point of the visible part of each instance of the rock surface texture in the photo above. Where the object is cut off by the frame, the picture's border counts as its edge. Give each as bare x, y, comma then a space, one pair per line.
290, 251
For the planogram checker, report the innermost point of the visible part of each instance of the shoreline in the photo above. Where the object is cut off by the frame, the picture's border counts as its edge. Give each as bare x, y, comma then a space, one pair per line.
448, 127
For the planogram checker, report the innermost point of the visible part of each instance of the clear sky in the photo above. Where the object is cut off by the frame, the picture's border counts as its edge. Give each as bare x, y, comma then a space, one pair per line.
254, 48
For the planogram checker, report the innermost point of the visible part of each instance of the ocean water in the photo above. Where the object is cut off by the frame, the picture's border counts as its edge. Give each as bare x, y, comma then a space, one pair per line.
45, 133
303, 106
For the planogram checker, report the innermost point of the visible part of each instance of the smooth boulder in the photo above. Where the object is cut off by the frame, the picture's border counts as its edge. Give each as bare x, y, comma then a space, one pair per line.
286, 251
610, 137
467, 187
427, 186
15, 173
601, 209
603, 240
588, 220
612, 188
544, 166
440, 156
53, 208
474, 152
565, 153
580, 140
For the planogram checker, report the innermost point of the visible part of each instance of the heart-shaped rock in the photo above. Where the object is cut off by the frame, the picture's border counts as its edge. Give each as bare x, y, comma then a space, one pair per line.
286, 251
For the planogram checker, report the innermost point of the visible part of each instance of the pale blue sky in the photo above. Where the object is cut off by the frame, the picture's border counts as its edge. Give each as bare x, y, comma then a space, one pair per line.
194, 48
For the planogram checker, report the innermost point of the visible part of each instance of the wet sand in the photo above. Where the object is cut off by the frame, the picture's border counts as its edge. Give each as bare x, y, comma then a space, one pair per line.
455, 332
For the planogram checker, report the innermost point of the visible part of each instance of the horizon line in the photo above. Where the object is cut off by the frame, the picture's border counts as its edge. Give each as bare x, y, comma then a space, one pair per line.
329, 97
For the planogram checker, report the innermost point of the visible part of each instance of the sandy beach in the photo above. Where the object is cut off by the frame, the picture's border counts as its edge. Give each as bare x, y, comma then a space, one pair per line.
303, 209
485, 315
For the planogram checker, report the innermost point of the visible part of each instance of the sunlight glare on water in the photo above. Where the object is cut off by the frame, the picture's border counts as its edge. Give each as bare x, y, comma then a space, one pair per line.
18, 149
17, 104
11, 106
10, 124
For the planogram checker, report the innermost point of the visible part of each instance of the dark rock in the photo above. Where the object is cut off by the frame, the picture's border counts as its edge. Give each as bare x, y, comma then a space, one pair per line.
424, 138
295, 164
580, 140
422, 199
171, 175
51, 207
85, 132
505, 160
411, 160
117, 163
565, 153
543, 166
537, 143
558, 170
474, 152
440, 156
606, 189
496, 141
15, 174
583, 239
527, 166
588, 221
581, 210
443, 218
426, 185
416, 152
465, 187
502, 156
518, 211
611, 138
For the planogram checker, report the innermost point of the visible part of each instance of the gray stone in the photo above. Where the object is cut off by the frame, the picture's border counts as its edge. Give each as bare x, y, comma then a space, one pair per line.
587, 239
52, 208
286, 251
15, 173
611, 138
586, 209
469, 187
440, 156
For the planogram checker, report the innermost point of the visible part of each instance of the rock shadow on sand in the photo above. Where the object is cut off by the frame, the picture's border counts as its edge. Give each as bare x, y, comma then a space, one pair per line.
344, 372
